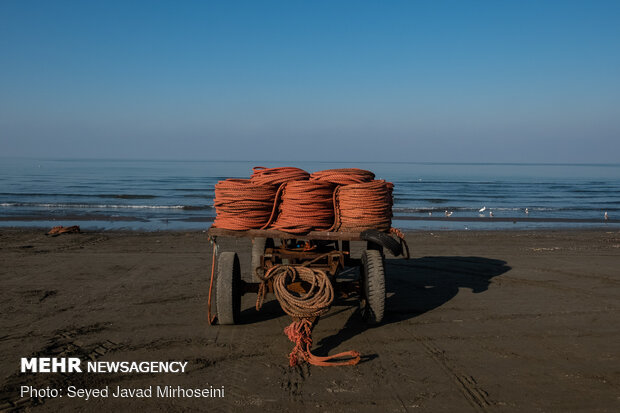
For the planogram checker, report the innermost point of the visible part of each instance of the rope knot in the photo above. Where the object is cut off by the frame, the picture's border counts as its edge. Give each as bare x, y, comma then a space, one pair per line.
300, 333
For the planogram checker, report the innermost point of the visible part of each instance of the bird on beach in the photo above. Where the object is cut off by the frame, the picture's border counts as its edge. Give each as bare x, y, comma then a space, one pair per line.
449, 214
491, 214
430, 213
481, 210
527, 211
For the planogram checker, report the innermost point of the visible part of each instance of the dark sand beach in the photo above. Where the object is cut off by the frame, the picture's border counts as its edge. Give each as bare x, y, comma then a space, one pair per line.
476, 321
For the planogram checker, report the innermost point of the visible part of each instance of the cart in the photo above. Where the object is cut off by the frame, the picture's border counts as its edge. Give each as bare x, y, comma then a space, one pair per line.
322, 250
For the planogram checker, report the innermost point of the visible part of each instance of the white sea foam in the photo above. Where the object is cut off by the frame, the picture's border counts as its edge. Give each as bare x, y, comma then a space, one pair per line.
88, 206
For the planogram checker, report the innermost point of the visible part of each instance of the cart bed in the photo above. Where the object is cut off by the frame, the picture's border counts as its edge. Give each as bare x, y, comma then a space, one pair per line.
272, 233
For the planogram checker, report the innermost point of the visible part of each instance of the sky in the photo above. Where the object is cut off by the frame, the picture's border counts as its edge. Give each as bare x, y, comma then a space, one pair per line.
419, 81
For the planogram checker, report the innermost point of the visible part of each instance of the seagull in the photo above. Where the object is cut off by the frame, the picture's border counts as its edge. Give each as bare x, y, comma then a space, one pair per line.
481, 210
527, 211
430, 213
606, 216
448, 214
491, 214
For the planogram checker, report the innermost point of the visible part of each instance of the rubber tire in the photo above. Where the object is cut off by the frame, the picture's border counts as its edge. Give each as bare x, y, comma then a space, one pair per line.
228, 288
383, 239
373, 286
258, 250
373, 246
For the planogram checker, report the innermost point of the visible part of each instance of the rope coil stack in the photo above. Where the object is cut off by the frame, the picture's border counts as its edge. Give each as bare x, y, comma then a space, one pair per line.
292, 200
241, 204
364, 206
303, 309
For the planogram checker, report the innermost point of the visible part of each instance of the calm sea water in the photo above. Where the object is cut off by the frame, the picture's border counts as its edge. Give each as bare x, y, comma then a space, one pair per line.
154, 195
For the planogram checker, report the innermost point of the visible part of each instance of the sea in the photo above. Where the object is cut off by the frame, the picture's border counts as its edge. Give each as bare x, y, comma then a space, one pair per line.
157, 195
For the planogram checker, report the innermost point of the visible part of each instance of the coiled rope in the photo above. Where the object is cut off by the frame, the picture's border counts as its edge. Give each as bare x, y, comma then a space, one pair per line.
343, 176
333, 199
305, 206
277, 176
241, 204
303, 309
364, 206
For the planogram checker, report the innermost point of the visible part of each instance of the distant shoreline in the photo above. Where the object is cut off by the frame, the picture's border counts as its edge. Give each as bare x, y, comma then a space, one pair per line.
508, 219
94, 217
95, 223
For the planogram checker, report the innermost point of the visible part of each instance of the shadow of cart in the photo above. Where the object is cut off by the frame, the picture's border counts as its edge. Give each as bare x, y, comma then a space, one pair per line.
417, 286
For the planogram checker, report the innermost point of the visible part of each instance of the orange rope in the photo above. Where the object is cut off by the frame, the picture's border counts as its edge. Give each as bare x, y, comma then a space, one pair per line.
277, 176
211, 319
364, 206
403, 241
343, 176
299, 205
55, 231
303, 308
305, 206
300, 333
241, 204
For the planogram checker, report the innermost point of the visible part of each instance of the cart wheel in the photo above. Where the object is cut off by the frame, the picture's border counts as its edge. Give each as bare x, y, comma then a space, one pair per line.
373, 246
258, 250
373, 286
381, 239
228, 288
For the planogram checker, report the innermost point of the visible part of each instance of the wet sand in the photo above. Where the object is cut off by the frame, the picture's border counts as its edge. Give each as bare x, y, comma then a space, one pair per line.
475, 321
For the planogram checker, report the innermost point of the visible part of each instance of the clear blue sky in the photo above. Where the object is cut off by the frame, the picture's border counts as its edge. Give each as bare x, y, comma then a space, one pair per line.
468, 81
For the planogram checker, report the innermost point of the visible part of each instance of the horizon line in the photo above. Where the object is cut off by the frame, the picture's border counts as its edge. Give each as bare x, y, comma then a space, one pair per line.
604, 164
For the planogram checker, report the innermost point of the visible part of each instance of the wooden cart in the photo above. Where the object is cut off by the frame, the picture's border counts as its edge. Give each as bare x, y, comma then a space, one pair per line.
326, 251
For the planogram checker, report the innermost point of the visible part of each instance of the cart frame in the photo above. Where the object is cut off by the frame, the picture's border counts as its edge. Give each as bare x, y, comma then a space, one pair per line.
322, 250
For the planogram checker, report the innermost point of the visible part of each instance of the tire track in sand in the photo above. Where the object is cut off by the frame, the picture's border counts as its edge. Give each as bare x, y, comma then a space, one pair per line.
475, 394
